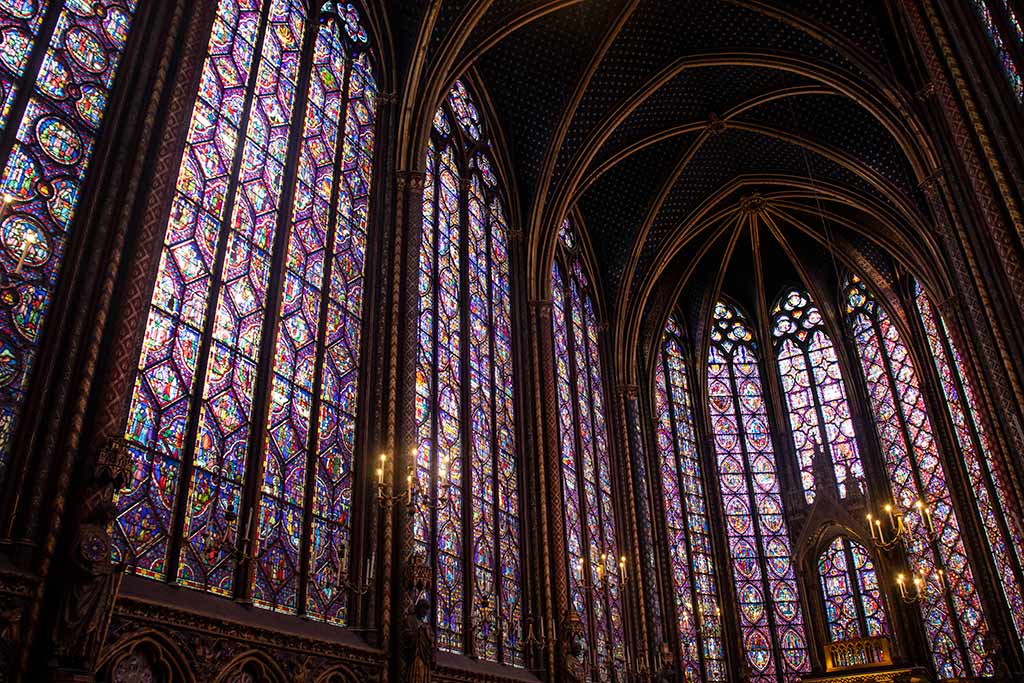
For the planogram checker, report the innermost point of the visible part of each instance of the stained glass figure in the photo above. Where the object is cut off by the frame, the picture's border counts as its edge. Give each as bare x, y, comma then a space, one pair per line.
594, 578
211, 299
698, 614
56, 112
950, 605
849, 585
466, 458
1001, 38
771, 619
819, 414
989, 484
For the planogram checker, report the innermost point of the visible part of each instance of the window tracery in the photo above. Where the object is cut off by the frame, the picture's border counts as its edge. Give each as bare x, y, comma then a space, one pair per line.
771, 618
849, 584
50, 118
206, 423
950, 607
991, 490
819, 414
470, 527
695, 589
595, 582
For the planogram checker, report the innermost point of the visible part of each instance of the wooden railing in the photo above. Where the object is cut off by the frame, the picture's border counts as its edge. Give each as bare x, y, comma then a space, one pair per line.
859, 653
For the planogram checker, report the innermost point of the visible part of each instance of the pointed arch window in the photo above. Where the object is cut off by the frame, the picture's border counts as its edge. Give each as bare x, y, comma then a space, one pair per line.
953, 618
694, 582
815, 395
991, 491
594, 579
1006, 34
771, 619
467, 451
242, 424
849, 584
58, 65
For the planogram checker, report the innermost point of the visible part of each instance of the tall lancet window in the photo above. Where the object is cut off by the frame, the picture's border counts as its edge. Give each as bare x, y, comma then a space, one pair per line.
469, 528
950, 605
818, 410
247, 384
698, 615
771, 619
849, 584
58, 63
595, 583
1006, 33
992, 492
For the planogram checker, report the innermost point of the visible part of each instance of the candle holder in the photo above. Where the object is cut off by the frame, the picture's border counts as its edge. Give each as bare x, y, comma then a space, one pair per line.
385, 497
343, 582
479, 620
533, 626
913, 591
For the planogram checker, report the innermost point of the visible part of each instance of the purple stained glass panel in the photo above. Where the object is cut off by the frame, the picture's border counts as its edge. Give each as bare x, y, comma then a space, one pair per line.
988, 482
819, 414
698, 615
165, 383
770, 615
916, 473
47, 165
466, 455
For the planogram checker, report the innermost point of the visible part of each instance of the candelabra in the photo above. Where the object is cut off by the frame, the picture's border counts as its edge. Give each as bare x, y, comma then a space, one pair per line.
343, 582
221, 542
385, 497
898, 533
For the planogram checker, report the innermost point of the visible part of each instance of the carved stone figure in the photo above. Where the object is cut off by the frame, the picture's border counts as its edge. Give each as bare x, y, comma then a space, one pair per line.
418, 644
570, 649
91, 581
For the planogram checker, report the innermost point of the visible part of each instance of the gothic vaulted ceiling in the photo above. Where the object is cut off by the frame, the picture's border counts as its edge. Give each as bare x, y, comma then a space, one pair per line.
655, 120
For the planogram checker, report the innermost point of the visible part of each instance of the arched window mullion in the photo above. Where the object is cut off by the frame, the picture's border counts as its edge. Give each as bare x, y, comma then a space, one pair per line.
498, 590
819, 413
313, 449
769, 601
973, 458
585, 541
936, 556
209, 318
684, 505
854, 579
466, 410
599, 495
434, 393
251, 500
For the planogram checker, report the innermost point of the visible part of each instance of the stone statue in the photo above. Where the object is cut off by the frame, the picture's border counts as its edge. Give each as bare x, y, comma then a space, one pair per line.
418, 643
91, 579
570, 649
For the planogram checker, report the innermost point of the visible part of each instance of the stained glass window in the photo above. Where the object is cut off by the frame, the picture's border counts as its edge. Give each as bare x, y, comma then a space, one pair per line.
1003, 27
51, 118
819, 414
771, 620
686, 517
594, 575
950, 605
193, 419
988, 482
466, 457
849, 584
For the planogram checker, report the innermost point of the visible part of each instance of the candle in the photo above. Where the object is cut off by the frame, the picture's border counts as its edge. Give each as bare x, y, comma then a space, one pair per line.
888, 510
408, 483
28, 241
903, 588
871, 528
380, 476
341, 555
369, 569
622, 567
582, 569
8, 200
